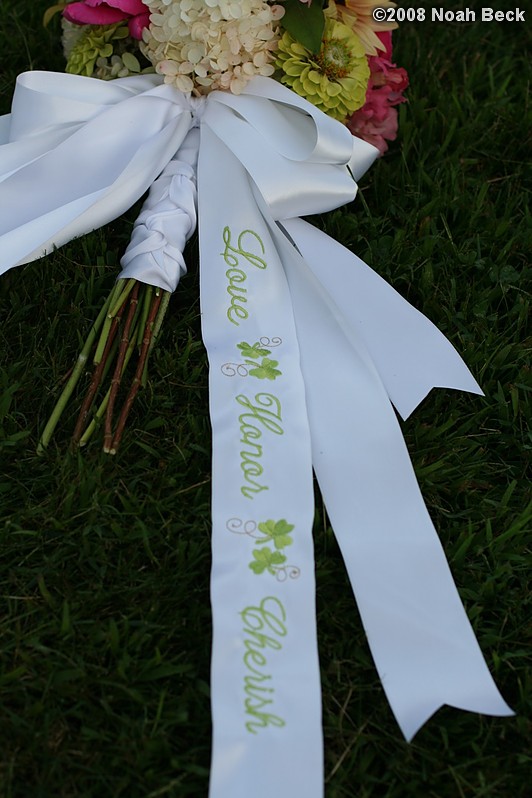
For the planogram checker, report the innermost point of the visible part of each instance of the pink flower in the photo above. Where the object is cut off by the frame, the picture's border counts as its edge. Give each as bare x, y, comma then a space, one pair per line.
383, 72
108, 12
376, 121
374, 127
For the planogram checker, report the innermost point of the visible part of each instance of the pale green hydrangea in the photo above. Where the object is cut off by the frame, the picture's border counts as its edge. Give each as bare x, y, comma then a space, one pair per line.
95, 42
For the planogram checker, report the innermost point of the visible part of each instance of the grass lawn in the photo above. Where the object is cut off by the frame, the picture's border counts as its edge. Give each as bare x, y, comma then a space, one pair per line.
105, 617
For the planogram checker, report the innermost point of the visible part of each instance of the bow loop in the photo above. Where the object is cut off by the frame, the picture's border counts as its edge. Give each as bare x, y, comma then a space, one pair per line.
114, 138
298, 157
117, 136
47, 99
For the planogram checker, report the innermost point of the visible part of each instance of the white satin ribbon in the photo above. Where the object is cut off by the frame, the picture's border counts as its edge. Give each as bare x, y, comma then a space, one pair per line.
265, 682
116, 137
339, 343
422, 642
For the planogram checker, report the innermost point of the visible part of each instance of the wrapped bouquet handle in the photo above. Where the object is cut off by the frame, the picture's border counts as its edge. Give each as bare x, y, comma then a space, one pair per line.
307, 349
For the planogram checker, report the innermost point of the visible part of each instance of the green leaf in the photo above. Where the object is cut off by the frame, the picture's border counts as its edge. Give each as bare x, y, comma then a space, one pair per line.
254, 351
51, 12
266, 370
277, 532
130, 62
304, 23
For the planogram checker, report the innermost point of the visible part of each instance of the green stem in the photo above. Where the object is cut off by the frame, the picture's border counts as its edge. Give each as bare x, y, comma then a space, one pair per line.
115, 292
120, 293
96, 381
163, 307
127, 289
146, 301
77, 371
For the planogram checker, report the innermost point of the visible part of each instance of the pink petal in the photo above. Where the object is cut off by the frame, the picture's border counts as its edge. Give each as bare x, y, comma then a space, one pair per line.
82, 14
129, 7
386, 38
137, 24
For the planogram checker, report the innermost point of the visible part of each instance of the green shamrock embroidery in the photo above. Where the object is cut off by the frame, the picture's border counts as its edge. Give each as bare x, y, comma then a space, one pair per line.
254, 352
266, 370
266, 560
277, 532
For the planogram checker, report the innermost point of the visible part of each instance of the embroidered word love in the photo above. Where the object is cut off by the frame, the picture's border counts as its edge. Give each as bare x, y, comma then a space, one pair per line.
269, 616
263, 413
236, 275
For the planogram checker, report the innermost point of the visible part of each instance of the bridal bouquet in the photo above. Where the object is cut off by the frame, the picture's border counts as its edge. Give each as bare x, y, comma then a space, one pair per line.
239, 116
337, 58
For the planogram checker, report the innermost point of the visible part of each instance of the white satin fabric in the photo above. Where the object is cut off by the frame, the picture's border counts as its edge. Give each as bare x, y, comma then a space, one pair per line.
78, 153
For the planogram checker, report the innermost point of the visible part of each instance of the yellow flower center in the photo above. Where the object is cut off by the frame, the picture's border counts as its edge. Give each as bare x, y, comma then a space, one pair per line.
334, 59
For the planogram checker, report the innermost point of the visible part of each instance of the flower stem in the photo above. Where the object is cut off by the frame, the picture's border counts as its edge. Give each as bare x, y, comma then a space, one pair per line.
119, 295
98, 415
163, 307
126, 289
115, 382
144, 313
135, 385
97, 378
161, 313
77, 371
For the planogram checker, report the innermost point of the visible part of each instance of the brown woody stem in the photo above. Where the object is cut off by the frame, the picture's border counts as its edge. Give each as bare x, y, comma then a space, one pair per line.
97, 377
135, 385
117, 376
98, 415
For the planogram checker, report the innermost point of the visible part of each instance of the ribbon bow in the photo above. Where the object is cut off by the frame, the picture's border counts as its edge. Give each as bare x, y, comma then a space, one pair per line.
307, 348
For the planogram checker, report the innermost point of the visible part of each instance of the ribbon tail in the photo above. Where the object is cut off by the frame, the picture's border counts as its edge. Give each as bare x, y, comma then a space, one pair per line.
409, 352
5, 125
266, 708
420, 637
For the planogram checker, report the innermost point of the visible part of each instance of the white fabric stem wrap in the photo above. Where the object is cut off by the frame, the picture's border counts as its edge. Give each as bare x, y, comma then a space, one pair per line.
307, 348
166, 222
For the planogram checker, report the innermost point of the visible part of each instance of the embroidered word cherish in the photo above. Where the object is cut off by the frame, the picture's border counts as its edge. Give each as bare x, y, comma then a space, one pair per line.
263, 626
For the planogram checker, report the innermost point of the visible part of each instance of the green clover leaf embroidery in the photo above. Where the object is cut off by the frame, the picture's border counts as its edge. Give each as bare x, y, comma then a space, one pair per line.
266, 560
254, 351
266, 370
277, 532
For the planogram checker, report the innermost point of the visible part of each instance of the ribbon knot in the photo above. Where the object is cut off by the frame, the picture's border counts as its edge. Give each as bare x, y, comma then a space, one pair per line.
197, 108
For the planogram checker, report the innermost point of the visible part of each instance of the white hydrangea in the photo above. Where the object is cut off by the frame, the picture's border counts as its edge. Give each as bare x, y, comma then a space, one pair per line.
202, 45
